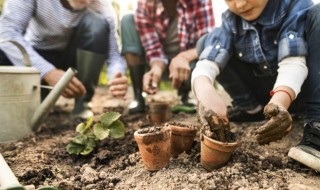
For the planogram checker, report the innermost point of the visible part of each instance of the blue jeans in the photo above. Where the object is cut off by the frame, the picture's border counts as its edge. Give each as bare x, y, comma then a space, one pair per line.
91, 34
249, 89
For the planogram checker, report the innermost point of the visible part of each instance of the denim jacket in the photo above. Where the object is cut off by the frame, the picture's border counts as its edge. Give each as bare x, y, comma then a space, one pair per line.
277, 33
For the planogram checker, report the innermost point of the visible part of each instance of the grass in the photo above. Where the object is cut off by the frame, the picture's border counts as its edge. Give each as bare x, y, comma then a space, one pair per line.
103, 80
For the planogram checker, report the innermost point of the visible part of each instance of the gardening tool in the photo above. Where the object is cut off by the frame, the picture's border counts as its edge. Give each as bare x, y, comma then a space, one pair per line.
8, 180
20, 108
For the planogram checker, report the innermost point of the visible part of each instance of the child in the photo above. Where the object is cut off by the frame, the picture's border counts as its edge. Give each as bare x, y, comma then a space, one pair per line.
263, 48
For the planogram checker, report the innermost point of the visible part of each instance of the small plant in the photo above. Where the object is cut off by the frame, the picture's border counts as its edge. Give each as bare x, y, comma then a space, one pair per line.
91, 133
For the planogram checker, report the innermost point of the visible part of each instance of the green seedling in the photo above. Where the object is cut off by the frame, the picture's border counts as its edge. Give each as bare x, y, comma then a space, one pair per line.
91, 133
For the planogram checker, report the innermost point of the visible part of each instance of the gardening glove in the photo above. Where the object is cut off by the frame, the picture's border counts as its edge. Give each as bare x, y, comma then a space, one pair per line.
278, 126
212, 125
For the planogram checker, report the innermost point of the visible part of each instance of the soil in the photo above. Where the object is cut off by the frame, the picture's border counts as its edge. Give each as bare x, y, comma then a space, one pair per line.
42, 159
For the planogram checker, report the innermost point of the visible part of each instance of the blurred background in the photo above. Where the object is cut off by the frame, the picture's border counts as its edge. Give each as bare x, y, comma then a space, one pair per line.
123, 7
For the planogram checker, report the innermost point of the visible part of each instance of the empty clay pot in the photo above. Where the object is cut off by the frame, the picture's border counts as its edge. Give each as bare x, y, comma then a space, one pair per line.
159, 112
215, 154
154, 146
181, 138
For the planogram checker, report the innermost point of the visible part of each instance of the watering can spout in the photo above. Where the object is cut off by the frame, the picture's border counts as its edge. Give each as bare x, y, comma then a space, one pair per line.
44, 108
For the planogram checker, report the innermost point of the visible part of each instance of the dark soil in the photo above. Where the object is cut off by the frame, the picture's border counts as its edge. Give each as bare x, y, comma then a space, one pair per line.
42, 159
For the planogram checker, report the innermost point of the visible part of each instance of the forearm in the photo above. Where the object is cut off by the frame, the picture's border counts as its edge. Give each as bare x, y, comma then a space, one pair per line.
282, 95
190, 54
12, 27
291, 74
158, 66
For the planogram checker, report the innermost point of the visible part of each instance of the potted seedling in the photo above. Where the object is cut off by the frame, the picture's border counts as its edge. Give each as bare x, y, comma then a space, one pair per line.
154, 146
217, 141
182, 137
92, 132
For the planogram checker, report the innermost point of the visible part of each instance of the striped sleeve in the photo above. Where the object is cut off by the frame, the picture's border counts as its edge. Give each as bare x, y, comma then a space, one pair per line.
13, 23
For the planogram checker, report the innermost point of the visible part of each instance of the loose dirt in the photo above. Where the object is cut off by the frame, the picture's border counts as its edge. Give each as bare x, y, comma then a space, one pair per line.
42, 159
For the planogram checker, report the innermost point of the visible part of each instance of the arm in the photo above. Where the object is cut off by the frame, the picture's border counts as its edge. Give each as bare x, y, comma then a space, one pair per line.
147, 33
202, 21
13, 24
291, 74
13, 27
179, 66
202, 80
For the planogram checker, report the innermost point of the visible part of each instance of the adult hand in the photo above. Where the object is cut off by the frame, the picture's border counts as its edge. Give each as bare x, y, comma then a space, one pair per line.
278, 126
179, 70
118, 85
152, 78
73, 89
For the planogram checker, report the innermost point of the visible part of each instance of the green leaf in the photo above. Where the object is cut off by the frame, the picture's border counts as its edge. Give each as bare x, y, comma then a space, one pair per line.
89, 147
81, 128
108, 118
117, 129
80, 139
73, 148
100, 132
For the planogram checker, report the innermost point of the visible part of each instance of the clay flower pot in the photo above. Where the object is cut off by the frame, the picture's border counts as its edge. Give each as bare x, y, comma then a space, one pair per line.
154, 146
181, 138
159, 112
215, 154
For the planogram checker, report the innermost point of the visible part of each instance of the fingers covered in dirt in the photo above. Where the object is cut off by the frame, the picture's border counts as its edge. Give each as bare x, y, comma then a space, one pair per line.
212, 125
73, 89
118, 85
278, 126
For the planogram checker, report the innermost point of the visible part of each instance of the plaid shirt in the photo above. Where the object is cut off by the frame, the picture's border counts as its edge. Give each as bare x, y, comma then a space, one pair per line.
195, 18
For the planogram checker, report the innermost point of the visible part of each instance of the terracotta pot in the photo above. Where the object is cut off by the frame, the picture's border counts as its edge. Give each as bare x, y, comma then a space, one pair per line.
181, 139
215, 154
154, 147
159, 112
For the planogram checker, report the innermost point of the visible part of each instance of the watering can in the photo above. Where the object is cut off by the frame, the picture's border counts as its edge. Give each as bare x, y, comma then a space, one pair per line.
21, 112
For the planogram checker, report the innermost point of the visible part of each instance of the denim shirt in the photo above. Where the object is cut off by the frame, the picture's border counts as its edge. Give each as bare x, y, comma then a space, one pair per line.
277, 33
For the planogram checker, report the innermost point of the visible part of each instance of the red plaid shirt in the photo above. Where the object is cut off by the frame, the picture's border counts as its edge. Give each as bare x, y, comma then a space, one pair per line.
195, 18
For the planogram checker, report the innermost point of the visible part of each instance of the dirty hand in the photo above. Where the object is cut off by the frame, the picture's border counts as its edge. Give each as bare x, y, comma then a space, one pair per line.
212, 125
278, 126
151, 79
179, 70
74, 88
118, 85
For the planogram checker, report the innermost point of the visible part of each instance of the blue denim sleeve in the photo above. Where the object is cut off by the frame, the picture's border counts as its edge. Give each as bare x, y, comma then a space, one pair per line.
291, 39
218, 45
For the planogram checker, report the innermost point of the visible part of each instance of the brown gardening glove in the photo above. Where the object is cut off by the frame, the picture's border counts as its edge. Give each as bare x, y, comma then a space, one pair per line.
278, 126
212, 125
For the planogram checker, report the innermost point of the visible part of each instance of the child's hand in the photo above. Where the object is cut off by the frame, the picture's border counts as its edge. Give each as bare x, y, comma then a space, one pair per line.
278, 126
212, 125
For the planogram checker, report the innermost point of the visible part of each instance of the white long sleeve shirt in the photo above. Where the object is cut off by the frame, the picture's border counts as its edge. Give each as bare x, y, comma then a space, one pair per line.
47, 25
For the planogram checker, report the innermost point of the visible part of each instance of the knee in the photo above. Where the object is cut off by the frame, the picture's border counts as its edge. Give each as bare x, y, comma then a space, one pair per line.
127, 21
94, 26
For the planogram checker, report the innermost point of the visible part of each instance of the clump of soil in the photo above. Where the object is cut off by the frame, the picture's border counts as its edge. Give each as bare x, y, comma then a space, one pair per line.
42, 159
154, 129
219, 128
